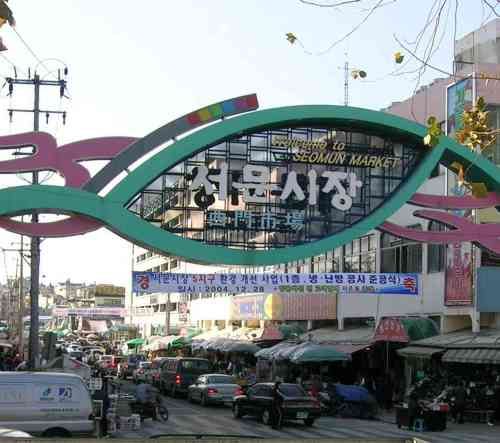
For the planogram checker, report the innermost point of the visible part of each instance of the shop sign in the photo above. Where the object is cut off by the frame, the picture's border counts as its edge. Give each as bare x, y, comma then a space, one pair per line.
391, 329
330, 283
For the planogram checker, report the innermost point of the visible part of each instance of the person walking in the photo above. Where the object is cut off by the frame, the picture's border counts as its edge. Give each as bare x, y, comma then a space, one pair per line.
277, 407
460, 398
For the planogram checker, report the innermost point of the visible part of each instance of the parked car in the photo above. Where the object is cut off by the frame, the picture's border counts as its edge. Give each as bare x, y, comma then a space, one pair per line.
127, 366
153, 375
27, 397
177, 374
213, 389
140, 373
257, 401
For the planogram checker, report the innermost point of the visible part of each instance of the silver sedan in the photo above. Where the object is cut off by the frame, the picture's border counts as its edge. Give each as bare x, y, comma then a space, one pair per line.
213, 389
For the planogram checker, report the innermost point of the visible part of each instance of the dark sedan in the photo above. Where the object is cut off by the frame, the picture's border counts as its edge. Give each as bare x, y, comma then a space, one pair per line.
257, 401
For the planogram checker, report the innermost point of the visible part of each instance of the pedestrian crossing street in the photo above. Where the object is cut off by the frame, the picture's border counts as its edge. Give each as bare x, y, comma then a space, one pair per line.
193, 419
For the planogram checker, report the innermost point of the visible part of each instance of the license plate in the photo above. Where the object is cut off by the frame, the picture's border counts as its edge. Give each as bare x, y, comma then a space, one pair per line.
302, 415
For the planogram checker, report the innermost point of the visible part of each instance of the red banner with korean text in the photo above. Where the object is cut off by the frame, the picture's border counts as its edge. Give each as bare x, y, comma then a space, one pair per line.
458, 284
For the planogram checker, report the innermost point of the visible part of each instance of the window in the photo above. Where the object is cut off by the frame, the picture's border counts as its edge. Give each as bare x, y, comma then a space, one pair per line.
436, 254
195, 366
359, 255
174, 264
164, 267
401, 255
290, 390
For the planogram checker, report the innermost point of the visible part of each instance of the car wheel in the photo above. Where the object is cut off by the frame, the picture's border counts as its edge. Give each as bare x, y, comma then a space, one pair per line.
309, 421
173, 391
237, 412
203, 400
56, 433
190, 397
266, 417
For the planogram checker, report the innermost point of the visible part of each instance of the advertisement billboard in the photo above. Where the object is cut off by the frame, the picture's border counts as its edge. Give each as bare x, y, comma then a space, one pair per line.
284, 307
459, 97
458, 284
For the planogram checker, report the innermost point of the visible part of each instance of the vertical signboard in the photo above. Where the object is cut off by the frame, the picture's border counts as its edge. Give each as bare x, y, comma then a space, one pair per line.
458, 287
460, 96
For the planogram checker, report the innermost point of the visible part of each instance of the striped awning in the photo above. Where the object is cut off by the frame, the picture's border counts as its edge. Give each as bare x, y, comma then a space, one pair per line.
419, 352
481, 356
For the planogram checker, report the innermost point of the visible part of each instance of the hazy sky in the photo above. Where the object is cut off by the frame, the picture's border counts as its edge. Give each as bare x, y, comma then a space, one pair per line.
135, 65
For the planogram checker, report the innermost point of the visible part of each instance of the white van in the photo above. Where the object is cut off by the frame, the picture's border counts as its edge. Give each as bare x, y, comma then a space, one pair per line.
45, 403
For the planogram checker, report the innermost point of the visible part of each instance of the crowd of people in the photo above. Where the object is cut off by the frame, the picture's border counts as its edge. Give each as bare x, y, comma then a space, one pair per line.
10, 359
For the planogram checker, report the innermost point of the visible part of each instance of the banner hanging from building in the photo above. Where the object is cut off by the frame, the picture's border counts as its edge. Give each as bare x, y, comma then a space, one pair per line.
89, 312
458, 285
332, 283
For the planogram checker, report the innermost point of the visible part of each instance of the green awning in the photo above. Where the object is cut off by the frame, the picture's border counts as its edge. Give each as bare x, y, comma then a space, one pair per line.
405, 329
291, 330
420, 328
318, 353
478, 356
419, 352
135, 342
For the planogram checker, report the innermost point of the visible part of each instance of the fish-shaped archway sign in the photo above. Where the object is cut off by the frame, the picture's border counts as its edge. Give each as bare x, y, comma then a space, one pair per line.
260, 188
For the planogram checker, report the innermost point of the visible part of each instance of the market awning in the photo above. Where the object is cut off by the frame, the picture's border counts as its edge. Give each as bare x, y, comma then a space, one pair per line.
478, 356
135, 342
349, 348
404, 330
419, 352
317, 353
268, 353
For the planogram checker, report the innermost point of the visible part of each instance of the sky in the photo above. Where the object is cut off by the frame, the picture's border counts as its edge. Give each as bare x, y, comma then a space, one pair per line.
134, 66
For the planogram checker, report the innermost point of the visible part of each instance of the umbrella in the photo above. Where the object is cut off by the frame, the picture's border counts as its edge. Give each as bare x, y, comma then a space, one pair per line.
317, 353
243, 347
135, 342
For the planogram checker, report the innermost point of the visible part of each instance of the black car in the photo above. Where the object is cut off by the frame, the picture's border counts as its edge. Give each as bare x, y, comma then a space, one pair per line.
258, 399
178, 373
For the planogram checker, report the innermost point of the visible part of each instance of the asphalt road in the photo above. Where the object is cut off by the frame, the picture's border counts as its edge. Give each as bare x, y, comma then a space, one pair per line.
187, 418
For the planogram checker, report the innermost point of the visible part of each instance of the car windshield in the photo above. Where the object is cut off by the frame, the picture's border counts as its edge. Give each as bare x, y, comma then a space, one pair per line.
289, 390
221, 380
198, 366
145, 365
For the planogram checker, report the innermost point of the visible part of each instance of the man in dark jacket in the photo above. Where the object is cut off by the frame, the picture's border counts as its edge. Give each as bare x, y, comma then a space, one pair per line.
460, 395
277, 407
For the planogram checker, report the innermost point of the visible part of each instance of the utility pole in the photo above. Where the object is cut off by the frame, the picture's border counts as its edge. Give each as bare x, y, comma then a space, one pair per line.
21, 299
346, 82
36, 82
167, 315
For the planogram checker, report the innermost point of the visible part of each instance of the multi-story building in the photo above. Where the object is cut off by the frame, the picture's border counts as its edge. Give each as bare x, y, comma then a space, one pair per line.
478, 68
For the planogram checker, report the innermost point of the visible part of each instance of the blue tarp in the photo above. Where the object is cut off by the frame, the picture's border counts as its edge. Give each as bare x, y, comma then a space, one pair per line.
352, 392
